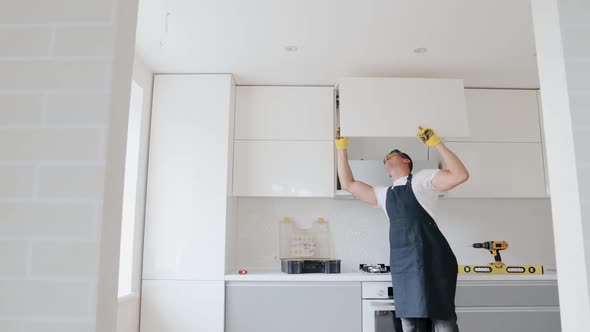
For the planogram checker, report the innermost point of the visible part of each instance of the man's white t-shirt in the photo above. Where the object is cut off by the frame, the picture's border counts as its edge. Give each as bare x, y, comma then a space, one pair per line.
425, 193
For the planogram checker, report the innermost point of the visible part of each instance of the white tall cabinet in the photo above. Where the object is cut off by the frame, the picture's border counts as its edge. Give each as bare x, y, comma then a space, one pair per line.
188, 202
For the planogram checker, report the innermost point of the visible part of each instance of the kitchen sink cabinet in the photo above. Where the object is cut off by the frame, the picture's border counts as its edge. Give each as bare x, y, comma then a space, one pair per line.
293, 306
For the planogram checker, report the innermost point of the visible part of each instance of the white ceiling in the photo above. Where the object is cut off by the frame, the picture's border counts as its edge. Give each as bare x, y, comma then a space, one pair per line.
486, 43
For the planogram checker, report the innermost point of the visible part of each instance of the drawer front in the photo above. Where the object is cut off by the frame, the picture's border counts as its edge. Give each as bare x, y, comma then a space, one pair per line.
507, 294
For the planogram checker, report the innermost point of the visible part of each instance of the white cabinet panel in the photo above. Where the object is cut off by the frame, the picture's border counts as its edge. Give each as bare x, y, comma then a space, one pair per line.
547, 189
516, 293
293, 307
395, 107
182, 306
502, 116
284, 113
187, 188
284, 168
492, 319
500, 170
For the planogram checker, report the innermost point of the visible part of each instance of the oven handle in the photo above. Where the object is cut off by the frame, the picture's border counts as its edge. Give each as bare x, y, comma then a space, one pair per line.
383, 305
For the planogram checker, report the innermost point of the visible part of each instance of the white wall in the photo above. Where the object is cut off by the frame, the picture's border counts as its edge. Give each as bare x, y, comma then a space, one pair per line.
128, 312
563, 56
57, 63
360, 232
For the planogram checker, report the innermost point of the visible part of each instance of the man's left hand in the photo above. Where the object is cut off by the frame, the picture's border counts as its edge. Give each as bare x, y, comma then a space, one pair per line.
428, 136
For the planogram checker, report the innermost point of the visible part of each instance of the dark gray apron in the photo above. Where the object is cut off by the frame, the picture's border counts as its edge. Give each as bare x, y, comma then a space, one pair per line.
423, 266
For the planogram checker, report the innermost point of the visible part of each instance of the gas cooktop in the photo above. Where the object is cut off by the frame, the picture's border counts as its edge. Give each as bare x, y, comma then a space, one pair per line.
374, 268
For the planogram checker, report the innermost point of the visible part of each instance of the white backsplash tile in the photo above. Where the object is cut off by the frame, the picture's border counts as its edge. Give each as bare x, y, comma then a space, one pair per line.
360, 232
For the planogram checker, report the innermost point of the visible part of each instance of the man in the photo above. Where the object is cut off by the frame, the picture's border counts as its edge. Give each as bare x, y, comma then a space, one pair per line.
423, 266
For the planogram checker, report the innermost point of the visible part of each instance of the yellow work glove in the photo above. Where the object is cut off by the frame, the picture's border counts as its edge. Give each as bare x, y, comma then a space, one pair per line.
428, 136
341, 143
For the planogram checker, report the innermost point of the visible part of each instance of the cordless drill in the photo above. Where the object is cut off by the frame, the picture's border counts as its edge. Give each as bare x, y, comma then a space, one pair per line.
498, 266
494, 247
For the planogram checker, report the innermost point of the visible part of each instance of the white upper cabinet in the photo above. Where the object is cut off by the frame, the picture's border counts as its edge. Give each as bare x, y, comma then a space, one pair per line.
188, 183
284, 113
395, 107
284, 141
284, 168
502, 116
500, 170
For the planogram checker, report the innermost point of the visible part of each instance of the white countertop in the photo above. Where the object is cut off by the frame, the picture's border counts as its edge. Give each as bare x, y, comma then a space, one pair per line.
360, 276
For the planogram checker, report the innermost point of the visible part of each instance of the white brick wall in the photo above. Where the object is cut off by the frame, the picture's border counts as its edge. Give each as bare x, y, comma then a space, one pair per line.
56, 61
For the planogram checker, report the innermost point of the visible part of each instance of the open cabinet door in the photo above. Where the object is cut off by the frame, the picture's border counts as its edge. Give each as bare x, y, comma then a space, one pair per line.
395, 107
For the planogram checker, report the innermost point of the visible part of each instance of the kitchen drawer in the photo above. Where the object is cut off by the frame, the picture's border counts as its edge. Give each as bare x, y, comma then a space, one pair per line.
517, 293
293, 306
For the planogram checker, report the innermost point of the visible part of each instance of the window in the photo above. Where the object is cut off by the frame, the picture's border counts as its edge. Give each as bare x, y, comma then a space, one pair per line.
130, 191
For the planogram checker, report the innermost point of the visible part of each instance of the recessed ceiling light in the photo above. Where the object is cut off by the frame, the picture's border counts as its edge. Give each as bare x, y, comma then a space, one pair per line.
420, 50
291, 48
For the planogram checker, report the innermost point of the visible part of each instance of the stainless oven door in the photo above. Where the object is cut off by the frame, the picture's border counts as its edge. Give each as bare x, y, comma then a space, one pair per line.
379, 316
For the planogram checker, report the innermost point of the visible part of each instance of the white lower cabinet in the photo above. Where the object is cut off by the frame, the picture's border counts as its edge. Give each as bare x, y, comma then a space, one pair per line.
493, 319
500, 170
293, 306
284, 168
182, 306
518, 305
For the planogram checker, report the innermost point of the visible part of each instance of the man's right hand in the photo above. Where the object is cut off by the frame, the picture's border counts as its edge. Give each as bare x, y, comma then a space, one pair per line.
341, 143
